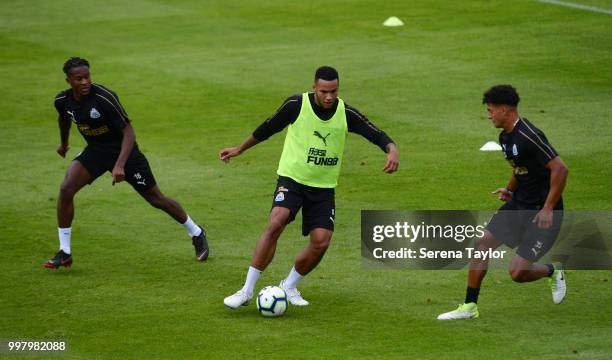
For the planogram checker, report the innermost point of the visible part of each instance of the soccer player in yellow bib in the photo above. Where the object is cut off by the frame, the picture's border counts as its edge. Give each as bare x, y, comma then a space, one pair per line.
308, 171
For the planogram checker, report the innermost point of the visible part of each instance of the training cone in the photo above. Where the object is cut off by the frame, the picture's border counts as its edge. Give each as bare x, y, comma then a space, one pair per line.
393, 21
491, 146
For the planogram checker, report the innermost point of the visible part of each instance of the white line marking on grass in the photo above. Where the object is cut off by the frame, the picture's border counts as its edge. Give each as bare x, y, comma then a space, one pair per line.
577, 6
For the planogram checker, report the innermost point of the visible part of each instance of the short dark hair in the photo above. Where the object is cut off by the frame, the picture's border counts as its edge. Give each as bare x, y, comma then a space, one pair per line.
501, 95
74, 62
327, 73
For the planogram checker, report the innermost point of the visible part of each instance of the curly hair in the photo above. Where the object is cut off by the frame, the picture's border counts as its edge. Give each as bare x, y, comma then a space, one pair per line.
501, 95
74, 62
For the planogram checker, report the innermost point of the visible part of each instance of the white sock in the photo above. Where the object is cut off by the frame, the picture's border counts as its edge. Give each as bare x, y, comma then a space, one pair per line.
251, 279
293, 279
64, 238
192, 228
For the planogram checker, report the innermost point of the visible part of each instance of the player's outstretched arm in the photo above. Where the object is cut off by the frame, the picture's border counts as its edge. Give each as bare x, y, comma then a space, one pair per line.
64, 126
228, 153
359, 124
392, 163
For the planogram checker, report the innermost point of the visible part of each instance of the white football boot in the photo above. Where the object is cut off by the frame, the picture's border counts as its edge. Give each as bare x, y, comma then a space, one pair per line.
293, 295
240, 298
557, 283
464, 311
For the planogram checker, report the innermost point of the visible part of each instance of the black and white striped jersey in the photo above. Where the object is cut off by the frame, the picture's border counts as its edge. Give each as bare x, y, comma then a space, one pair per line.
528, 151
99, 116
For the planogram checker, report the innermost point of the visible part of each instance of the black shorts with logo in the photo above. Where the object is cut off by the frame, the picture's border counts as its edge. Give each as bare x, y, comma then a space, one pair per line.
137, 170
513, 225
318, 204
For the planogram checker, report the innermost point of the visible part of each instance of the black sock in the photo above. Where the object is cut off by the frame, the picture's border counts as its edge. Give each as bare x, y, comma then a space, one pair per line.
471, 295
551, 269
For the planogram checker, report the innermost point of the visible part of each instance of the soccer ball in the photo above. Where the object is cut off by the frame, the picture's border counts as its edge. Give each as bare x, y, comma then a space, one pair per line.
272, 301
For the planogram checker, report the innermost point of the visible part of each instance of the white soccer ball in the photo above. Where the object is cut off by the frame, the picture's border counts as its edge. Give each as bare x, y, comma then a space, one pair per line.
272, 301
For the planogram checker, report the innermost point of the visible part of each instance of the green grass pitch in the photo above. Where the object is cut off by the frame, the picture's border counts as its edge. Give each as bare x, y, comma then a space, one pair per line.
196, 76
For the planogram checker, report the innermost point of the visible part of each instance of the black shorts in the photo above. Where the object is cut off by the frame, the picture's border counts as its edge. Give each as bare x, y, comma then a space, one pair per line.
318, 204
137, 170
513, 225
